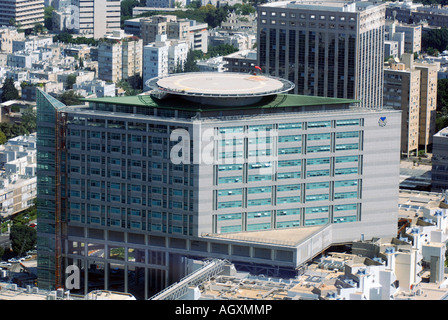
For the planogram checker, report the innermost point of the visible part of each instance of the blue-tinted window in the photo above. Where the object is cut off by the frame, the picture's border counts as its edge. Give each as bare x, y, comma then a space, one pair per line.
288, 187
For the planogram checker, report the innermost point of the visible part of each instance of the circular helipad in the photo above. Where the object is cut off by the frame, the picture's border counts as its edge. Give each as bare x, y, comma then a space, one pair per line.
222, 84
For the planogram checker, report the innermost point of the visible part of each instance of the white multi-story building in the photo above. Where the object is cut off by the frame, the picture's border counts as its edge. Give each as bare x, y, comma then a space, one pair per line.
31, 43
7, 36
96, 17
119, 57
22, 13
18, 176
162, 57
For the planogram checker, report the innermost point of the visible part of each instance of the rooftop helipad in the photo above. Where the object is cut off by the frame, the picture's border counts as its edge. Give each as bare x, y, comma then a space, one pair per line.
216, 84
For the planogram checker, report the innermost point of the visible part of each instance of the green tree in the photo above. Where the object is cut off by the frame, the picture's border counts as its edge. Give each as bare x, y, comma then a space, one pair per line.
23, 238
48, 17
3, 139
70, 98
28, 120
190, 64
71, 80
9, 90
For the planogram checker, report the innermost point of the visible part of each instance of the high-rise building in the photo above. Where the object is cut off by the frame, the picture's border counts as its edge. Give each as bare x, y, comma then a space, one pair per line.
331, 48
412, 87
96, 17
402, 92
23, 14
209, 165
439, 172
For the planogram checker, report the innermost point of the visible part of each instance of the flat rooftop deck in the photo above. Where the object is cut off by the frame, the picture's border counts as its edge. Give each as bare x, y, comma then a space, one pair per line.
287, 237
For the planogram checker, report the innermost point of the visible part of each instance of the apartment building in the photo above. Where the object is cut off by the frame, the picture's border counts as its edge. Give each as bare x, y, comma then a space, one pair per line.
195, 34
402, 92
119, 57
331, 49
23, 14
18, 176
412, 87
162, 57
283, 177
96, 17
7, 36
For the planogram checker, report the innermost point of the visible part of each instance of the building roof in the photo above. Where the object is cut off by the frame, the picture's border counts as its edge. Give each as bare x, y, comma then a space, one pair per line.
274, 101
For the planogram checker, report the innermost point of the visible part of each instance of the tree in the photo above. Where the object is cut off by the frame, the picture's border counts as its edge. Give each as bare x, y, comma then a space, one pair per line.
190, 64
48, 17
23, 238
71, 80
70, 98
28, 120
9, 90
3, 139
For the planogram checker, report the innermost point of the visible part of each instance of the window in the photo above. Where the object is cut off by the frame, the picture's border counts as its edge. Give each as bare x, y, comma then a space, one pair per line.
288, 175
230, 167
318, 136
266, 189
258, 202
288, 224
317, 185
316, 197
283, 200
343, 171
258, 226
345, 195
288, 187
261, 214
344, 219
230, 216
313, 149
230, 192
347, 146
288, 212
296, 150
317, 161
317, 173
260, 177
345, 183
226, 229
346, 159
321, 209
319, 124
313, 222
288, 126
352, 122
291, 138
347, 134
230, 179
289, 163
345, 207
229, 204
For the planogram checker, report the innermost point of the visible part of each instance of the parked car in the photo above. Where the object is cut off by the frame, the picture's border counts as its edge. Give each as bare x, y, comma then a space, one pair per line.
5, 264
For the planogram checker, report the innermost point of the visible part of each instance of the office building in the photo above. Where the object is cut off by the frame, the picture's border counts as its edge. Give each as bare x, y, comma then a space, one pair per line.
434, 15
96, 17
23, 14
209, 165
331, 49
439, 172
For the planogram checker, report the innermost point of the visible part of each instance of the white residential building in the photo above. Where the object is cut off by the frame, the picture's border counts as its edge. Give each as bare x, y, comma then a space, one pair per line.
162, 56
97, 17
18, 178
